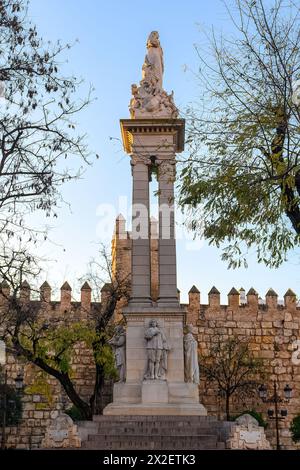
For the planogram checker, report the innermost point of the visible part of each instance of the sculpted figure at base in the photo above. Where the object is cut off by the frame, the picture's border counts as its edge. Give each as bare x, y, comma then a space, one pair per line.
157, 352
118, 342
191, 365
149, 99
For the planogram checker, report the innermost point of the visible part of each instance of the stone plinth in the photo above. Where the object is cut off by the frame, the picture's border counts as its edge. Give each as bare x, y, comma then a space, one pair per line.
140, 396
154, 391
144, 409
171, 322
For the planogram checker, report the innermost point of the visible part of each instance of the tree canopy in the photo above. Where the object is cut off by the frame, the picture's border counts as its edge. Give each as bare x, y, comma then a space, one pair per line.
50, 342
231, 366
242, 174
40, 147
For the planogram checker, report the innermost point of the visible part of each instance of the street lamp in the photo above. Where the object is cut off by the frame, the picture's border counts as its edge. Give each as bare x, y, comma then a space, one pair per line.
287, 392
262, 390
275, 398
19, 382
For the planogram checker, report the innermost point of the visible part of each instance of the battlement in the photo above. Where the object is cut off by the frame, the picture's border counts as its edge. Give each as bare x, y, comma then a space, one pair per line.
240, 304
66, 303
238, 300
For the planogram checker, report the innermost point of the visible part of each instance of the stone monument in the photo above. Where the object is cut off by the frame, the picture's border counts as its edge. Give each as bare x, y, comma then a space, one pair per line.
155, 372
118, 342
191, 365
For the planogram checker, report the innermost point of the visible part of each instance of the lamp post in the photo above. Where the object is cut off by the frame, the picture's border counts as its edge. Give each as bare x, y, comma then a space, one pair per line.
276, 399
19, 382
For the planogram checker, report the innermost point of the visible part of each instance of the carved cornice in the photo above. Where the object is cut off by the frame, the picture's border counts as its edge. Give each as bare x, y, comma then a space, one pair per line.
165, 314
132, 127
145, 318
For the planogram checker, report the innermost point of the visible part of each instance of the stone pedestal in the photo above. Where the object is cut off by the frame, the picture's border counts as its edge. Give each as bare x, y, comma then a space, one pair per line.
140, 396
152, 137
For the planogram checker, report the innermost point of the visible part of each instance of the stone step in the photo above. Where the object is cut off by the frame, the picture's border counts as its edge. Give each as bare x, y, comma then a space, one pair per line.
152, 433
105, 437
155, 418
151, 443
147, 447
182, 431
144, 426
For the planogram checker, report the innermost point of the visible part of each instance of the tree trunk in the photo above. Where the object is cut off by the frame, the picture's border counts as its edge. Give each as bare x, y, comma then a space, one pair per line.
227, 406
96, 401
84, 408
292, 209
63, 378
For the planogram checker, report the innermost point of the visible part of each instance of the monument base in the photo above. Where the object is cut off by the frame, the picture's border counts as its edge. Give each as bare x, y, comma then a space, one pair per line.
143, 396
153, 409
156, 397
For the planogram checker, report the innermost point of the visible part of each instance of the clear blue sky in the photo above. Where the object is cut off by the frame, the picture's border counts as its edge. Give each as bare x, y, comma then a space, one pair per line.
109, 55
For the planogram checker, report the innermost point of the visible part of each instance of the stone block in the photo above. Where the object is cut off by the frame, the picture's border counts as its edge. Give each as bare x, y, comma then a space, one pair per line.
157, 409
181, 392
127, 393
154, 391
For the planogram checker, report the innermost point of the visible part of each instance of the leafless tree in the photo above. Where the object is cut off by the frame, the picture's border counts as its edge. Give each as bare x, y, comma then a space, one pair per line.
49, 343
230, 365
242, 176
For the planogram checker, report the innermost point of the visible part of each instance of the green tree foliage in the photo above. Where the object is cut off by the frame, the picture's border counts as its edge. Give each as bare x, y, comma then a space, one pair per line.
230, 365
242, 176
10, 397
295, 428
51, 343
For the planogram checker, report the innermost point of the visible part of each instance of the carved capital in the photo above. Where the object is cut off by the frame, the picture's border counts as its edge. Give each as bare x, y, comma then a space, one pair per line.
145, 159
166, 169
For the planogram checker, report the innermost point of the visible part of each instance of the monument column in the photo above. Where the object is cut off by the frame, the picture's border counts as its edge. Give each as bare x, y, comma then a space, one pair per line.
140, 258
155, 357
166, 242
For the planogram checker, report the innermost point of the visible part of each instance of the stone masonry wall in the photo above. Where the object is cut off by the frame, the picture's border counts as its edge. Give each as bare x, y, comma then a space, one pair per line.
272, 330
43, 397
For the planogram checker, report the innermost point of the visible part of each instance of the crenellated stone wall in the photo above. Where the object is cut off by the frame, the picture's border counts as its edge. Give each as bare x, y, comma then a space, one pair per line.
43, 397
273, 329
272, 326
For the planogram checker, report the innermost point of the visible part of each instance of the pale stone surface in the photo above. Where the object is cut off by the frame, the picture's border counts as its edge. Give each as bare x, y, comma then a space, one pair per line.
149, 99
127, 393
157, 351
247, 420
169, 396
171, 322
247, 435
140, 281
118, 342
191, 365
169, 409
166, 242
62, 433
180, 392
154, 391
